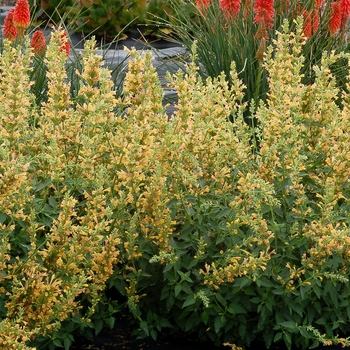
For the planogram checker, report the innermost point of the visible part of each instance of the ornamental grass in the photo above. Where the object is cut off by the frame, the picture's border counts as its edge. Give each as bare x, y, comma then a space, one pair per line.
240, 31
196, 223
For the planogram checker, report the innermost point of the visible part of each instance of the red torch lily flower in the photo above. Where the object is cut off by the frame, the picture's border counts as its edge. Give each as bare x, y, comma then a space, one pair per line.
230, 8
264, 12
336, 18
311, 22
344, 6
10, 31
38, 42
21, 16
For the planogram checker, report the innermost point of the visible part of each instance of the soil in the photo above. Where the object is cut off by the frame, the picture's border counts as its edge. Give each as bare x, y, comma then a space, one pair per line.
121, 338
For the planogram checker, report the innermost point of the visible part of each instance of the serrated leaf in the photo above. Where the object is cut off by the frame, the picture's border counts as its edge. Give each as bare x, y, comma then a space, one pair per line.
288, 324
110, 321
144, 327
67, 343
221, 299
98, 326
244, 281
217, 324
190, 300
177, 290
205, 317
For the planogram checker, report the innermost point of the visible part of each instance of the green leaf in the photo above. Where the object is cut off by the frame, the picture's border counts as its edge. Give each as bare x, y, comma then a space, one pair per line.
205, 317
144, 327
348, 311
217, 324
190, 300
244, 281
223, 213
3, 217
278, 291
317, 291
315, 344
288, 340
268, 338
221, 299
169, 303
177, 290
264, 282
334, 299
154, 334
57, 342
236, 309
185, 276
328, 286
43, 184
110, 321
53, 202
67, 343
165, 323
304, 332
98, 326
277, 337
288, 324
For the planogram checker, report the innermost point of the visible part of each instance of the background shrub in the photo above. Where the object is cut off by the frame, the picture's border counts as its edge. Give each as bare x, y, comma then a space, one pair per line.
106, 18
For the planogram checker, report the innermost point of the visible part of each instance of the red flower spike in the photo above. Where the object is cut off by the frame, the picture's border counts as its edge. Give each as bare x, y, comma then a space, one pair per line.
307, 24
10, 31
230, 8
38, 42
344, 6
21, 15
311, 23
264, 12
336, 18
318, 4
315, 21
65, 46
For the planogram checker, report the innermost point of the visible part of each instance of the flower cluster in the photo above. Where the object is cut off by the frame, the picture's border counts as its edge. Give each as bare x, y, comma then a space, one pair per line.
17, 22
264, 14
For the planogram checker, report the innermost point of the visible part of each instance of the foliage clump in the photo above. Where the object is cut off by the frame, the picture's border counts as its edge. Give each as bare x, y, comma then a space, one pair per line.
202, 223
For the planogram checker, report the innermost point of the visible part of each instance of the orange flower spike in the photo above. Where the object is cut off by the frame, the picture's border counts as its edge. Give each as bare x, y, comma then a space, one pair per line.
307, 24
315, 20
318, 4
21, 16
38, 43
264, 12
345, 8
230, 8
311, 22
336, 18
10, 31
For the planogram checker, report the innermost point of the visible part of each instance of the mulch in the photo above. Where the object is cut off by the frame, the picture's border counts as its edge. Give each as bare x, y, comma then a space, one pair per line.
121, 337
